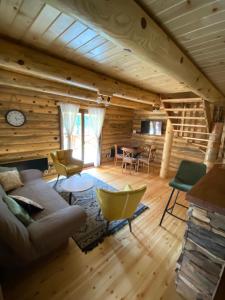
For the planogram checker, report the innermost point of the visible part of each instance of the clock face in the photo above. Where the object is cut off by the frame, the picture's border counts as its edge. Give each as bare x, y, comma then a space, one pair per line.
15, 118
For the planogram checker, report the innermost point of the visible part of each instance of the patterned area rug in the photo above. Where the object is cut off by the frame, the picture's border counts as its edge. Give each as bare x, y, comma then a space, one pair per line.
93, 232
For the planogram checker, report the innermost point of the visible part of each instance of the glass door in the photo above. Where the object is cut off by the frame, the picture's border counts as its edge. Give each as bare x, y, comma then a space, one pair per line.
89, 141
77, 139
83, 139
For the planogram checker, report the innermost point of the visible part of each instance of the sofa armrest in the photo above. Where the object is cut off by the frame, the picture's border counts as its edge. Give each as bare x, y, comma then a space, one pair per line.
60, 168
54, 229
31, 174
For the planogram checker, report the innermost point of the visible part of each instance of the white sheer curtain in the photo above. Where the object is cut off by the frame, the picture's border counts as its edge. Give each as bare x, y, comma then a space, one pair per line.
68, 114
97, 116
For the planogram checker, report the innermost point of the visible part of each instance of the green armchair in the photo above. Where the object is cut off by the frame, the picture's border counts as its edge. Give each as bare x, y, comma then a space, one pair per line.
65, 164
119, 205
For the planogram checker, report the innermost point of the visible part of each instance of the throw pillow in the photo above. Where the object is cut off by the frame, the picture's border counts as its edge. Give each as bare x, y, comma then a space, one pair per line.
30, 205
10, 180
17, 210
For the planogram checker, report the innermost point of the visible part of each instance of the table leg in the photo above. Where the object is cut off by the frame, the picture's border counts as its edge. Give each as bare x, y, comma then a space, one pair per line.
70, 198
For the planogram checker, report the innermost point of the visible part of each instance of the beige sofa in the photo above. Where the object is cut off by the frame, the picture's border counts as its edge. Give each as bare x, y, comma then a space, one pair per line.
52, 227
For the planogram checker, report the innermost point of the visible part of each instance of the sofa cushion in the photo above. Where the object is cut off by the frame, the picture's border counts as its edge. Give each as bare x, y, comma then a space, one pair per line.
56, 227
39, 191
17, 210
30, 175
14, 234
10, 180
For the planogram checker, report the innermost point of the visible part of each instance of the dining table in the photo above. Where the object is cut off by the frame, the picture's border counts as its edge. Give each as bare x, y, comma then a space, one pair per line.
135, 150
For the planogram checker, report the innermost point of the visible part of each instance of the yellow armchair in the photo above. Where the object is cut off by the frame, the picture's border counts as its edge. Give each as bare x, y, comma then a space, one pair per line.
65, 164
119, 205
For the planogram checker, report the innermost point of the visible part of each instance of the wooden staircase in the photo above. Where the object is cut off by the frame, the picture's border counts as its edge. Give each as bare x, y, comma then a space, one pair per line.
191, 119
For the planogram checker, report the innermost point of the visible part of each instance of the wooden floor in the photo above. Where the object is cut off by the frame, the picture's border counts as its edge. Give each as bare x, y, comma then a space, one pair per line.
125, 266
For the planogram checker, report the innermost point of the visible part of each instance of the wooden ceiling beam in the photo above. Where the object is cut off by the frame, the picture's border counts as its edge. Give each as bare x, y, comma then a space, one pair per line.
24, 82
31, 62
126, 24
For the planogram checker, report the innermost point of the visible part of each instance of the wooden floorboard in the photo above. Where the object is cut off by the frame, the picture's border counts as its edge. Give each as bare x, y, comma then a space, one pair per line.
125, 266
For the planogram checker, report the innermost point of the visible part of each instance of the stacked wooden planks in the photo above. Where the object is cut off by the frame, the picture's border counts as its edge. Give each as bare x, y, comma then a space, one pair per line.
202, 261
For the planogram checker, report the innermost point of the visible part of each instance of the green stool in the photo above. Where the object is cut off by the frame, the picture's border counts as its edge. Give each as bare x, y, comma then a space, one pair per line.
187, 176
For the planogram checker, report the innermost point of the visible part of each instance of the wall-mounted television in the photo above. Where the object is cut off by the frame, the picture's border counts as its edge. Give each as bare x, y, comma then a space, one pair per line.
151, 127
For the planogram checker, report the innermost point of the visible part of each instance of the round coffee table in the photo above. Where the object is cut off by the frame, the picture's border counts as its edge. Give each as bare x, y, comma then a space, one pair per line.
76, 184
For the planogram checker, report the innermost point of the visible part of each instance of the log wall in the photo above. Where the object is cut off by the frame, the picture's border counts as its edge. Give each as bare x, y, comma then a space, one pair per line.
38, 136
41, 133
181, 149
117, 129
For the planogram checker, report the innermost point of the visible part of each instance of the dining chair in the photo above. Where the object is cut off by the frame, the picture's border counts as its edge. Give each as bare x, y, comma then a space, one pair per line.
147, 157
118, 156
129, 159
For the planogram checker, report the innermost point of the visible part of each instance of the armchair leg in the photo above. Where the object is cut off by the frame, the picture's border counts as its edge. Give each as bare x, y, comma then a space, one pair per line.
56, 181
129, 222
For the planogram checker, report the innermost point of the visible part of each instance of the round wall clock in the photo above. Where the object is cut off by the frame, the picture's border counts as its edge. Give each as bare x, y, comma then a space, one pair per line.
15, 118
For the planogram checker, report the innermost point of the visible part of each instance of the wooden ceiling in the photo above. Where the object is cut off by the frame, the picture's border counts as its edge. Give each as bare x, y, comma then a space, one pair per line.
199, 27
43, 26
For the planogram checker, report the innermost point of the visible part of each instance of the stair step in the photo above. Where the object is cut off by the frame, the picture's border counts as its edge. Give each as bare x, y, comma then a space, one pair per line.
184, 100
194, 138
189, 125
192, 132
186, 118
184, 109
200, 145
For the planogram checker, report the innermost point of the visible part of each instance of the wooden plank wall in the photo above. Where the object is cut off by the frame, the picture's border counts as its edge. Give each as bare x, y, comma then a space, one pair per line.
184, 150
181, 148
41, 135
141, 139
117, 129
